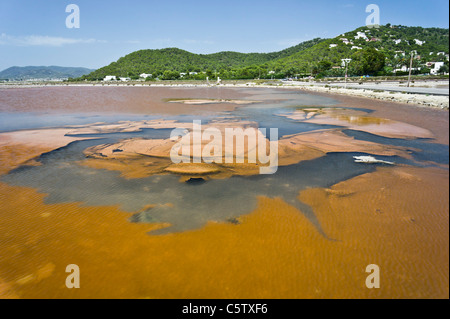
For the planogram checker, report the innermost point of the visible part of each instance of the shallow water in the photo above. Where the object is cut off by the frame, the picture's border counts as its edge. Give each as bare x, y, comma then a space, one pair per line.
188, 206
277, 236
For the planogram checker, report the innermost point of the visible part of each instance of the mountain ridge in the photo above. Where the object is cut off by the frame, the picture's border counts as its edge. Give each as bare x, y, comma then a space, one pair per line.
43, 72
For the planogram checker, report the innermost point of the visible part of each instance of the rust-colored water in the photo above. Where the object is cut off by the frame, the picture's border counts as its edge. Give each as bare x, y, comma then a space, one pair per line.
396, 217
141, 100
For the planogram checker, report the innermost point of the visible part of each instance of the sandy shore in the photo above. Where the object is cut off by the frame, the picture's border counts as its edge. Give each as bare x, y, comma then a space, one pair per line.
441, 102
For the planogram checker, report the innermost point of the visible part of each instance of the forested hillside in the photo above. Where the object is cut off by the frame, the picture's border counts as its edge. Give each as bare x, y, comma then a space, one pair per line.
374, 51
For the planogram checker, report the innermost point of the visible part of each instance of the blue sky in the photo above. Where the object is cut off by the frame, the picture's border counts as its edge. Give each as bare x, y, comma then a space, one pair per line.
34, 32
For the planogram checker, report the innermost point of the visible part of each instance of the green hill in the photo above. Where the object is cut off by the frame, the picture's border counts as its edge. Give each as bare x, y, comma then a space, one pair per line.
157, 62
372, 50
395, 42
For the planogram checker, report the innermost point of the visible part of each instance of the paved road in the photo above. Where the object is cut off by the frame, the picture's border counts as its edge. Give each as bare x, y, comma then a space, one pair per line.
414, 90
381, 86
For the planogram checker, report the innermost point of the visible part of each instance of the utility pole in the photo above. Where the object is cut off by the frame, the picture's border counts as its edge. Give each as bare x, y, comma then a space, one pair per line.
346, 62
410, 68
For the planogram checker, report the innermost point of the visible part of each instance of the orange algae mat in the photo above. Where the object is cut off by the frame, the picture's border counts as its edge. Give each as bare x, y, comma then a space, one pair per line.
395, 217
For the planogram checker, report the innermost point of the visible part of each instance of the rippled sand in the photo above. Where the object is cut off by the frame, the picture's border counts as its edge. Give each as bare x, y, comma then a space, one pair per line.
354, 120
273, 253
138, 158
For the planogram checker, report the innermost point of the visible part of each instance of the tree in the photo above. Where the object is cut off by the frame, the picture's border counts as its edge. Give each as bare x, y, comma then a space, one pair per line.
324, 65
368, 61
443, 69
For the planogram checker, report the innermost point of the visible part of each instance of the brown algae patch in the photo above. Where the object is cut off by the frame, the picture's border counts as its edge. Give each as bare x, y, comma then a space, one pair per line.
356, 120
13, 156
137, 157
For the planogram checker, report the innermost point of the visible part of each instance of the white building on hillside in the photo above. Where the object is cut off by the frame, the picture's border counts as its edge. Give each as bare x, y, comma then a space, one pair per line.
144, 75
436, 68
361, 35
110, 78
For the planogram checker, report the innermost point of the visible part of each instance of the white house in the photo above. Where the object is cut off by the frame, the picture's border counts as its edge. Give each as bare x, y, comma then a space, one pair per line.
398, 41
441, 53
436, 68
125, 79
361, 35
144, 75
333, 45
193, 73
418, 42
110, 78
356, 48
406, 69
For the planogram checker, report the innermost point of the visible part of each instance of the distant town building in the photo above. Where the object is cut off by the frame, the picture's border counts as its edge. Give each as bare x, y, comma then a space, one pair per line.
406, 69
418, 42
361, 35
333, 45
356, 48
125, 79
110, 78
436, 68
144, 75
346, 41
